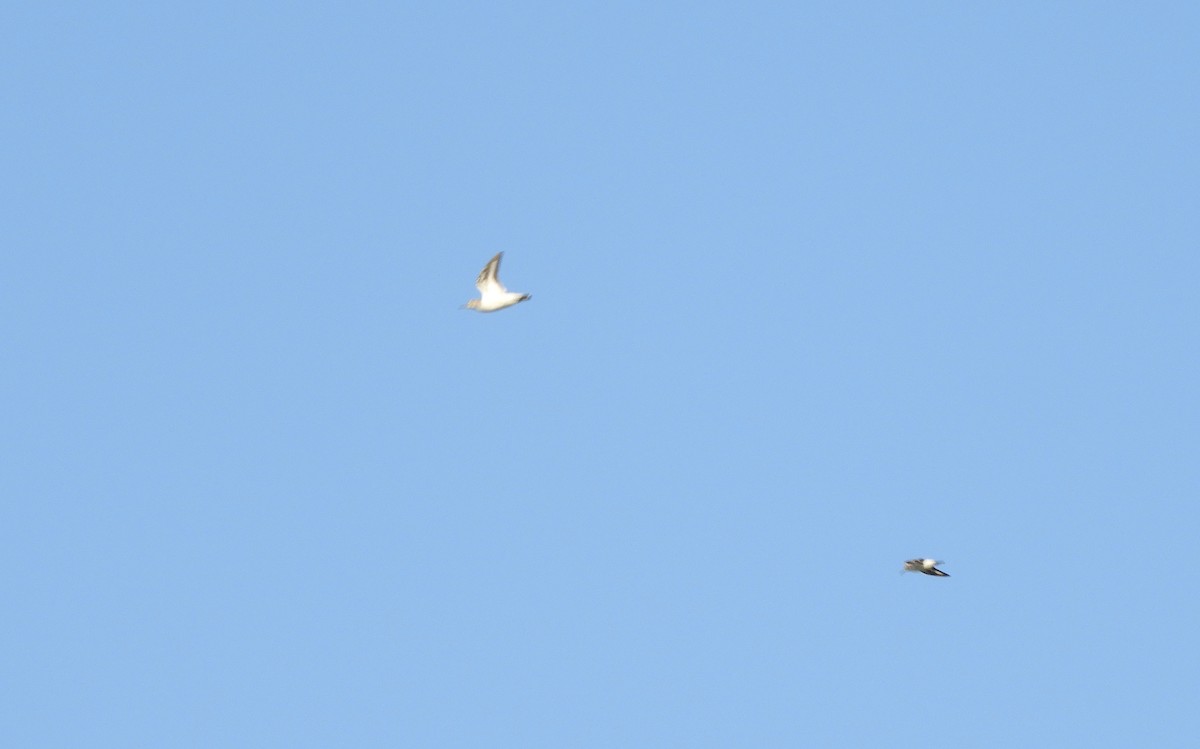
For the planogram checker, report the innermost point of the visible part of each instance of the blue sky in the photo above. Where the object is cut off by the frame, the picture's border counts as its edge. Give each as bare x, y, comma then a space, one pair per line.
817, 288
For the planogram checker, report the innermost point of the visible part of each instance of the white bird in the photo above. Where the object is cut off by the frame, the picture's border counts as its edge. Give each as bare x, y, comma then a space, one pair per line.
492, 294
927, 566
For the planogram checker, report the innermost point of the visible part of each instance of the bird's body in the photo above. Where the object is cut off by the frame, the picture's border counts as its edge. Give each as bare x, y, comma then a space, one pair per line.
925, 566
492, 294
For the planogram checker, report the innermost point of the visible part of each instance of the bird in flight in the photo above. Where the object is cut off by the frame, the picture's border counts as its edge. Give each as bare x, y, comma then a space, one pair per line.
492, 294
927, 566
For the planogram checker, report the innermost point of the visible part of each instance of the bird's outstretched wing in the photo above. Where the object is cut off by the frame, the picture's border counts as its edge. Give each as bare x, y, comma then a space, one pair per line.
936, 572
488, 281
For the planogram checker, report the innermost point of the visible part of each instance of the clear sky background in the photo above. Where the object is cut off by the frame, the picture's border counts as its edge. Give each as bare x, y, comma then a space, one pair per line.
817, 288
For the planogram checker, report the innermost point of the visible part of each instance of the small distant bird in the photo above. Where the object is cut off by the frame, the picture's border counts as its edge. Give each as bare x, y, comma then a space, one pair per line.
927, 566
492, 294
